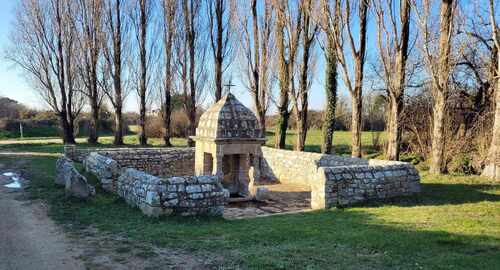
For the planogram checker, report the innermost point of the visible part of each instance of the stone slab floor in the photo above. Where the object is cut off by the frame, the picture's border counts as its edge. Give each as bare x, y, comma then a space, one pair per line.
283, 198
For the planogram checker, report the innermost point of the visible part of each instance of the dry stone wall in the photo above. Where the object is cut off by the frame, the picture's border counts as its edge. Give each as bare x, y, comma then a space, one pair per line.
299, 167
164, 162
188, 195
74, 183
347, 185
106, 169
340, 181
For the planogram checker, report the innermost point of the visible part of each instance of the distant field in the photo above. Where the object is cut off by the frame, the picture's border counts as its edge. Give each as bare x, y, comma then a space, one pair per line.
342, 142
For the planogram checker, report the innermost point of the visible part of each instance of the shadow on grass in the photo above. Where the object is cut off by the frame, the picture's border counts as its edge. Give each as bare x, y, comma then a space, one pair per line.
441, 194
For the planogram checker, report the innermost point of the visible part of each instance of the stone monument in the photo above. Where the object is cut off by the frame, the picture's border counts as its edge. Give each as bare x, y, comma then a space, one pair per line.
228, 143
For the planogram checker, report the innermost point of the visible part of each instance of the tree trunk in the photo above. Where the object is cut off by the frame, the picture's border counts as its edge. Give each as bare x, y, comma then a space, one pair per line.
94, 121
440, 87
67, 131
143, 140
166, 117
356, 125
284, 79
331, 99
301, 131
118, 140
281, 127
394, 128
439, 109
492, 169
117, 81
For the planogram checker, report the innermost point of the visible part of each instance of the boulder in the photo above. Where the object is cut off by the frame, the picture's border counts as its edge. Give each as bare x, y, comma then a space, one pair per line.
64, 167
77, 186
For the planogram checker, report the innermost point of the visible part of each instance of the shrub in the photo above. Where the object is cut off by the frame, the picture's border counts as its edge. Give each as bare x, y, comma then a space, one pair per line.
178, 125
461, 164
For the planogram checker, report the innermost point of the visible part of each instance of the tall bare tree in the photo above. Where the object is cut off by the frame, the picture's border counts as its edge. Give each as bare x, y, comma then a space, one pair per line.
191, 59
393, 39
169, 32
116, 28
439, 66
258, 53
329, 22
44, 46
141, 17
221, 39
300, 96
90, 39
353, 79
492, 168
287, 31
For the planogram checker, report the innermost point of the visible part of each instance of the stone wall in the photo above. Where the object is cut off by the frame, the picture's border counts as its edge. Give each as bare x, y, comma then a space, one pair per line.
188, 195
75, 184
347, 185
299, 167
164, 162
107, 170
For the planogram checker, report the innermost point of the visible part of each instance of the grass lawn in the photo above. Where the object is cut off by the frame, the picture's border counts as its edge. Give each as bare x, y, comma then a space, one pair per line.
453, 224
342, 142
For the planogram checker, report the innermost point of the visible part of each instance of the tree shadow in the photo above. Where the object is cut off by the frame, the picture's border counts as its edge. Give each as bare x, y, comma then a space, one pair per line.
434, 194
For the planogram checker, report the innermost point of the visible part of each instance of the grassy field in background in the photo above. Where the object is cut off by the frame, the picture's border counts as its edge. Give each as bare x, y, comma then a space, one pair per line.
453, 224
342, 142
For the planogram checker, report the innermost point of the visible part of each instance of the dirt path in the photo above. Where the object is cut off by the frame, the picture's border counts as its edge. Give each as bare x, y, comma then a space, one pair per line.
29, 239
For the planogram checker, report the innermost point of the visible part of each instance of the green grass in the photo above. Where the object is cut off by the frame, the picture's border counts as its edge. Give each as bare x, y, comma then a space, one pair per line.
453, 224
342, 142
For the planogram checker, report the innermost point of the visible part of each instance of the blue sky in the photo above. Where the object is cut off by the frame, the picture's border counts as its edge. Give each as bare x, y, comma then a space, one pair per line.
14, 85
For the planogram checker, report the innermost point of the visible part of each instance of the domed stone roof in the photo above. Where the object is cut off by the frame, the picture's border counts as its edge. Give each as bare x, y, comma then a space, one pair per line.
229, 119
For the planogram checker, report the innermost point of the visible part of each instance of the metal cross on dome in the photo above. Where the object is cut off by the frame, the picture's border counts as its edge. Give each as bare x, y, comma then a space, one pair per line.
229, 85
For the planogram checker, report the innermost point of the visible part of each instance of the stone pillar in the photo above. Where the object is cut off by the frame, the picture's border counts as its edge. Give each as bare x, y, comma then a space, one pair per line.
244, 181
199, 159
217, 162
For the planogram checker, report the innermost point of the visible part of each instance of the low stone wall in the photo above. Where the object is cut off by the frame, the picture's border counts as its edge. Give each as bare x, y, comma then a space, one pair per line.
189, 195
299, 167
164, 162
74, 183
347, 185
107, 170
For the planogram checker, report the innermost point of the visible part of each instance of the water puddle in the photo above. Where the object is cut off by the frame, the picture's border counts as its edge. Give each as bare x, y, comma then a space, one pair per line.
15, 180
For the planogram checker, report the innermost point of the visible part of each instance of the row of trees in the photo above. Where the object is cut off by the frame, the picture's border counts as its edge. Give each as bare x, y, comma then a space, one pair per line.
85, 52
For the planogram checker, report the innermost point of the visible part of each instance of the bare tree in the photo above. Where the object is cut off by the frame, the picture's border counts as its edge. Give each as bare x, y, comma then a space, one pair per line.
438, 65
329, 22
116, 29
169, 32
90, 41
353, 79
492, 168
141, 17
393, 39
191, 59
221, 39
44, 46
258, 52
287, 30
300, 96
